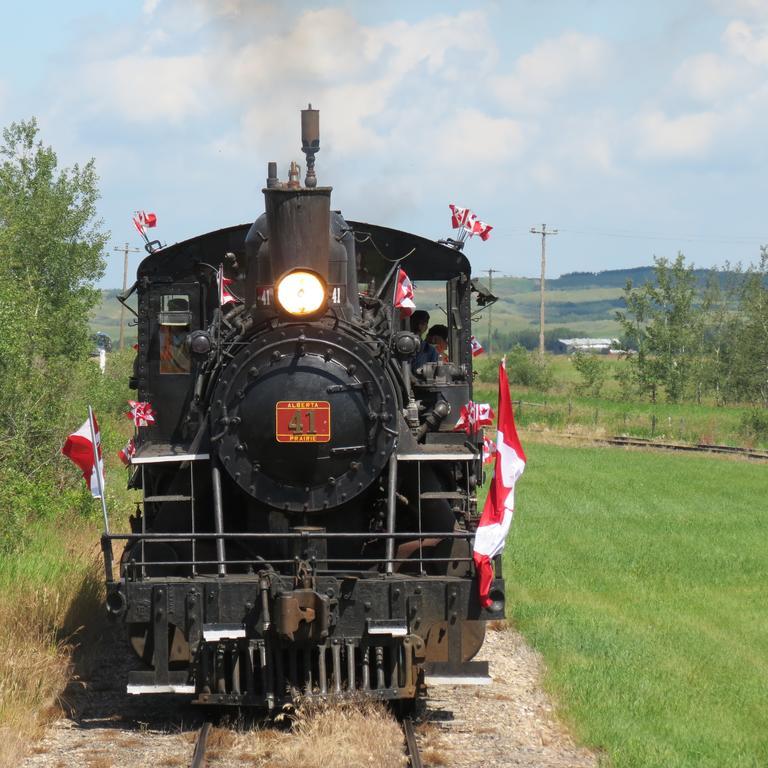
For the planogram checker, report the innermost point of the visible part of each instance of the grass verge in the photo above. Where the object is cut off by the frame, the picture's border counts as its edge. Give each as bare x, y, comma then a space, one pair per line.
49, 591
640, 577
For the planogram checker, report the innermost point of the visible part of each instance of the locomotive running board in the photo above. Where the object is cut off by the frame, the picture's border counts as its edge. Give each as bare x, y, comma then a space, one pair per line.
468, 673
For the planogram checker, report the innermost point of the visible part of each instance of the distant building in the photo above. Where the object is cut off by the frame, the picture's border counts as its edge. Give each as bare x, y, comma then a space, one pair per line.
597, 346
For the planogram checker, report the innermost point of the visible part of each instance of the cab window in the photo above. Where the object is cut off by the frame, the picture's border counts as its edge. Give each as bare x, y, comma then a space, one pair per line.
174, 324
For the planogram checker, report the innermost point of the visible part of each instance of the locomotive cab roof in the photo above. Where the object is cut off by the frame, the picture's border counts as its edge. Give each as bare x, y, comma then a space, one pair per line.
377, 247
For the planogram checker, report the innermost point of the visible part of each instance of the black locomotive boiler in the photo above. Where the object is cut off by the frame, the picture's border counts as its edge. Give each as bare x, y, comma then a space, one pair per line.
308, 506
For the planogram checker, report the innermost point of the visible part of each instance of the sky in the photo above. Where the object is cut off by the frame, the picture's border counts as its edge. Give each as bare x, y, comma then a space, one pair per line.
636, 129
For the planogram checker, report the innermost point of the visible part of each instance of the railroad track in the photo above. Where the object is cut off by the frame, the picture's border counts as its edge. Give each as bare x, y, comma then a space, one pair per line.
411, 745
638, 442
198, 756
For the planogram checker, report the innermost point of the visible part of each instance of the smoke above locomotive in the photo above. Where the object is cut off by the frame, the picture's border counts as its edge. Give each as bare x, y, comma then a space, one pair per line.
308, 503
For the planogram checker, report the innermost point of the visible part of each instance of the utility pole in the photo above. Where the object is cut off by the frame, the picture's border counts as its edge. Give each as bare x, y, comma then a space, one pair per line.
491, 273
126, 250
543, 232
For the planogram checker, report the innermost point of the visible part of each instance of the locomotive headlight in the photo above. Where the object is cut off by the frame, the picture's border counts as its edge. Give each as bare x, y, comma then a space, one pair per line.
300, 293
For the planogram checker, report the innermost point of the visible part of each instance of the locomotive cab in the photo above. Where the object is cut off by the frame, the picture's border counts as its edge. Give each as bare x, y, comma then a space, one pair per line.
308, 503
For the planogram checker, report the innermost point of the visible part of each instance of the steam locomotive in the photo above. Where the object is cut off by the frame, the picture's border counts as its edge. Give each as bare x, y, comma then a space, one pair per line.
308, 504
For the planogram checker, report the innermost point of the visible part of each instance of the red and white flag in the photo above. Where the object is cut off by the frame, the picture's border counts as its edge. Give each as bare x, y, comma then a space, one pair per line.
473, 416
140, 413
476, 347
489, 450
459, 215
500, 503
404, 294
78, 447
469, 222
480, 228
142, 221
126, 453
225, 295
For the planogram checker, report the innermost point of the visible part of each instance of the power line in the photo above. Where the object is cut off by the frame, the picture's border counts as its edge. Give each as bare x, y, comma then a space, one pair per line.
629, 235
543, 232
491, 273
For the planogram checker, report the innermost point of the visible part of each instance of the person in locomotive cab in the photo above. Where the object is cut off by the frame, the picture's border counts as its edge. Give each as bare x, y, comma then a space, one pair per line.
427, 353
174, 330
437, 336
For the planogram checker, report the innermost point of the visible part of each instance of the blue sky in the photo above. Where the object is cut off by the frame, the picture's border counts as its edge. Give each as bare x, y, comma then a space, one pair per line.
637, 129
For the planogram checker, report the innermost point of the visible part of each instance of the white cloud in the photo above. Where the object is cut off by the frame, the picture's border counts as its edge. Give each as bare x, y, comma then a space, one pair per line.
550, 68
708, 77
147, 89
685, 136
473, 137
150, 6
742, 40
598, 153
544, 174
755, 9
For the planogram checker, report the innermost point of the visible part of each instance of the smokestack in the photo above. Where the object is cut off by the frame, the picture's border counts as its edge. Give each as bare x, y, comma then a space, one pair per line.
310, 142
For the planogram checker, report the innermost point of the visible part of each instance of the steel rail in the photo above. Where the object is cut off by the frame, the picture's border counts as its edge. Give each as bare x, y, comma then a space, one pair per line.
198, 756
411, 745
638, 442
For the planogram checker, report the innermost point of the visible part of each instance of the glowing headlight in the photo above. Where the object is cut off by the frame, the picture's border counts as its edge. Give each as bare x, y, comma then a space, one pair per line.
300, 293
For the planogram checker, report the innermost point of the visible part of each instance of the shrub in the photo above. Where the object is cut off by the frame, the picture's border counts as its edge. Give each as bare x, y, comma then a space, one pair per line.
754, 424
592, 372
528, 369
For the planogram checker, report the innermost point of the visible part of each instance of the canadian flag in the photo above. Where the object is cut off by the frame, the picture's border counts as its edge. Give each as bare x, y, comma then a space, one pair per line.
473, 416
78, 447
489, 450
141, 413
459, 215
480, 228
142, 221
404, 294
225, 295
469, 222
475, 346
500, 503
126, 453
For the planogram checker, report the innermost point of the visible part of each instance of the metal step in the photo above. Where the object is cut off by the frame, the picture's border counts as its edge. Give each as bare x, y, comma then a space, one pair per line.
167, 498
468, 673
443, 495
143, 682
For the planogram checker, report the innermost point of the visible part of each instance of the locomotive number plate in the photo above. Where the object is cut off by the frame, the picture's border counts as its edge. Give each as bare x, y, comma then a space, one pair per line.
303, 421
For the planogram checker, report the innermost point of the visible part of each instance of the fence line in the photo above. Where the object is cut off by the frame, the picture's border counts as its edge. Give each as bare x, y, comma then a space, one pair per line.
688, 429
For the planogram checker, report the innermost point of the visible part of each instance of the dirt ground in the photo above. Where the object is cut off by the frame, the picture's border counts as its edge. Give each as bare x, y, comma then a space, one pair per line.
508, 723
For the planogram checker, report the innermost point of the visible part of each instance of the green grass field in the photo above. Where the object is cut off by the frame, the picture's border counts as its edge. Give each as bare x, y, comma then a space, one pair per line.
562, 409
641, 578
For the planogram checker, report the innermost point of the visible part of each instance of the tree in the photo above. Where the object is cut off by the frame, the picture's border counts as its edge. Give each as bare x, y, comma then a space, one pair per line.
666, 325
50, 241
51, 246
592, 372
745, 349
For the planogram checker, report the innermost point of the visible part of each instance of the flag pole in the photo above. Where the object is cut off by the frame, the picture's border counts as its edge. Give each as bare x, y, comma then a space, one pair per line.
98, 465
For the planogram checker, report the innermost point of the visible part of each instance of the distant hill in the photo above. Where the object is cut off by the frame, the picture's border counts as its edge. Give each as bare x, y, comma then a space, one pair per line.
617, 278
106, 317
609, 278
578, 304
